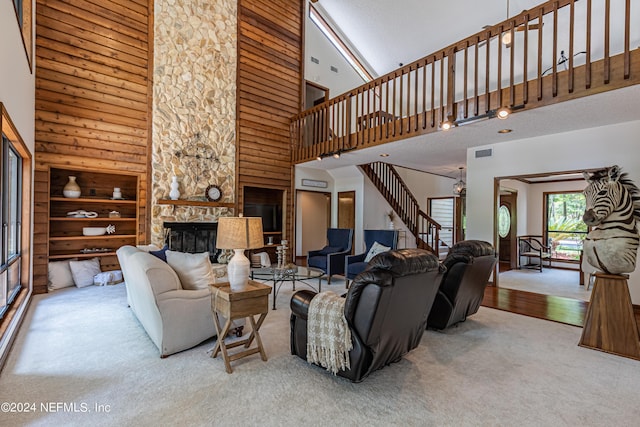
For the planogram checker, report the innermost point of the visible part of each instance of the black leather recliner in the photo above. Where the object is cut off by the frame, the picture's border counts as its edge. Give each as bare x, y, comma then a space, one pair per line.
469, 264
386, 308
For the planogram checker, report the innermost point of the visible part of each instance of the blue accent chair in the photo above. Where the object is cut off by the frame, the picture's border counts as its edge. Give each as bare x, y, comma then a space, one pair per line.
355, 264
330, 259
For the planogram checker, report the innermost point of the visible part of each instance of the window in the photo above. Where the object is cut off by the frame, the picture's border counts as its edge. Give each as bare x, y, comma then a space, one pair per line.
19, 11
15, 255
442, 210
10, 213
564, 228
335, 40
23, 15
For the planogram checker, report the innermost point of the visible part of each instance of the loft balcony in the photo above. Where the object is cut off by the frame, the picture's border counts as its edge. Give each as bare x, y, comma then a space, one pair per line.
558, 51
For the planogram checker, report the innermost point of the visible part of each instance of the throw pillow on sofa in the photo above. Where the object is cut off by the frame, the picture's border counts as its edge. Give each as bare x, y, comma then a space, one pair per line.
161, 253
376, 248
83, 272
194, 270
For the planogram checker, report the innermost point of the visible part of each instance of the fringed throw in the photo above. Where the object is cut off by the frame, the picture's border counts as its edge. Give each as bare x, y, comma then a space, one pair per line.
328, 334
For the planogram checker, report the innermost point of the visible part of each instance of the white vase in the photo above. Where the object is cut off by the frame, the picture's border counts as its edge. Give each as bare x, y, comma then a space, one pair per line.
174, 194
72, 189
391, 225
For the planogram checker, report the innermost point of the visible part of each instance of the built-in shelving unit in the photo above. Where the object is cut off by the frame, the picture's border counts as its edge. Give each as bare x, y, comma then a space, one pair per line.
66, 239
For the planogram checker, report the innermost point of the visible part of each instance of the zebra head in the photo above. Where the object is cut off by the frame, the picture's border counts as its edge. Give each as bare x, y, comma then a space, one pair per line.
603, 195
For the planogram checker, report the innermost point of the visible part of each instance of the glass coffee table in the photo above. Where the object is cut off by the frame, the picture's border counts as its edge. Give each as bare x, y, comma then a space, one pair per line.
291, 273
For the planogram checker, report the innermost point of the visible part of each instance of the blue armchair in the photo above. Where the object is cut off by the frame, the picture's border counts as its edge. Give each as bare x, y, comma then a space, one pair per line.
354, 264
330, 259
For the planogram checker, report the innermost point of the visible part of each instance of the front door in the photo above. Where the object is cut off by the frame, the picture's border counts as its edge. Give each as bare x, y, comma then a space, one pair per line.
507, 231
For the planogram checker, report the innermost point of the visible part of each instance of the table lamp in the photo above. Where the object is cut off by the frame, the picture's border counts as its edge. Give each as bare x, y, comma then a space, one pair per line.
239, 233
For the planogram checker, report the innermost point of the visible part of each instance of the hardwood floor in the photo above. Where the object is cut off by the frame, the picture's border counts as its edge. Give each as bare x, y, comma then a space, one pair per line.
557, 309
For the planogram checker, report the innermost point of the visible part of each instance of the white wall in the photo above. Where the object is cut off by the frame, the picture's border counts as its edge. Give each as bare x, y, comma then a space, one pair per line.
578, 150
318, 46
424, 185
522, 205
17, 83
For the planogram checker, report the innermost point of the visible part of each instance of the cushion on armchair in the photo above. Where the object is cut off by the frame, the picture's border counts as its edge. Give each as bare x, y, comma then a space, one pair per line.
329, 250
376, 248
354, 268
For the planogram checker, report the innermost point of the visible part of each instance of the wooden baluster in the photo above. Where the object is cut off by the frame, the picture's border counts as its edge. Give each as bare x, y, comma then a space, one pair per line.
487, 96
466, 73
525, 49
587, 71
433, 92
415, 99
607, 48
442, 101
386, 100
554, 73
424, 94
540, 28
394, 104
571, 29
400, 101
358, 120
512, 60
499, 68
476, 98
627, 36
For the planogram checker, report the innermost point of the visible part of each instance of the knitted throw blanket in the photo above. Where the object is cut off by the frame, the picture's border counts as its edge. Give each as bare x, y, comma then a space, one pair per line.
328, 334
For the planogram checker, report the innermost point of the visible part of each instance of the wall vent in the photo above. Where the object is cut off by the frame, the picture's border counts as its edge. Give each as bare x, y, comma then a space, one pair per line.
315, 60
484, 153
334, 69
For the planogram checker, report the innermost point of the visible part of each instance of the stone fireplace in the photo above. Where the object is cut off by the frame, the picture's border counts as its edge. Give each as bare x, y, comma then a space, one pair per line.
194, 108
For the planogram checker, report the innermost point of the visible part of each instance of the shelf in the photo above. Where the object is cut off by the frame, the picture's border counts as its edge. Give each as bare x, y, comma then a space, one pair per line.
101, 237
95, 200
81, 255
271, 233
201, 203
104, 218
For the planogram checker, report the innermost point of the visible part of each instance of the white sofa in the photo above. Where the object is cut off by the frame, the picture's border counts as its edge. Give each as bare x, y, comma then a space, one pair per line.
175, 319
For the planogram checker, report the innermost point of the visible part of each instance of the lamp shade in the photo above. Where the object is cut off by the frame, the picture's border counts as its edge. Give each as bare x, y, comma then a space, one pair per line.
239, 233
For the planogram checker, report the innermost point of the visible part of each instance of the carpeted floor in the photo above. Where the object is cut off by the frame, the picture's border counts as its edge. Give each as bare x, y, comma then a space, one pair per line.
84, 347
551, 281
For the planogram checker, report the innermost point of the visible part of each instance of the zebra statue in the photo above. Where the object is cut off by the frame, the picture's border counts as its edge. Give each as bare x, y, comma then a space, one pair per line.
612, 208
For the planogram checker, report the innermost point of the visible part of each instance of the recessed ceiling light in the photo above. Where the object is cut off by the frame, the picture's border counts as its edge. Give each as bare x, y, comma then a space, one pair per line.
505, 130
384, 155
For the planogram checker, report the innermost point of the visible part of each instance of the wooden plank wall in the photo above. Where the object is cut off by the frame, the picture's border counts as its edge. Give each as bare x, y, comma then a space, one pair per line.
270, 37
93, 98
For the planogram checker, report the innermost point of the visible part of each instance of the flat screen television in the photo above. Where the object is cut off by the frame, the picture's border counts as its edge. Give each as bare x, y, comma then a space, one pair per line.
271, 215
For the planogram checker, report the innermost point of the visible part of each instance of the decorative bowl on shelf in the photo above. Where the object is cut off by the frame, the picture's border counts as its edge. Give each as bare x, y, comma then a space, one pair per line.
94, 231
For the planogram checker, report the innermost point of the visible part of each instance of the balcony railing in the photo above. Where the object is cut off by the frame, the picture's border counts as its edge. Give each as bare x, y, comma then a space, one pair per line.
559, 50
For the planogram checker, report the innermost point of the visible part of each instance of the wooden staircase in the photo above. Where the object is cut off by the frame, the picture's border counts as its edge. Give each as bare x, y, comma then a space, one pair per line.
389, 183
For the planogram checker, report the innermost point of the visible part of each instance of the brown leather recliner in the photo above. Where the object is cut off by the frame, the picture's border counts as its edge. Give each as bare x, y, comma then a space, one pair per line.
386, 308
469, 264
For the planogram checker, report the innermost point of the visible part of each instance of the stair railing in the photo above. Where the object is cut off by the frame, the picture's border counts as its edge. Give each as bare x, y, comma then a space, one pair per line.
393, 188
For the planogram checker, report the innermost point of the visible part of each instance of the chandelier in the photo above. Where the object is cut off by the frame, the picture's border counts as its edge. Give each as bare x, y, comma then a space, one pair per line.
460, 187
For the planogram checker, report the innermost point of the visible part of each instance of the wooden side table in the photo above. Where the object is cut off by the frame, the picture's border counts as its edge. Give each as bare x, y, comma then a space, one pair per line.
249, 302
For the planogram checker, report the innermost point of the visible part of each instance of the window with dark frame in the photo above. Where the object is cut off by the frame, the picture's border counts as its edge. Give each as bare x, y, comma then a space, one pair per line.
11, 214
564, 229
19, 11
